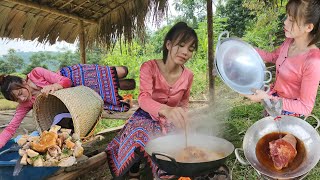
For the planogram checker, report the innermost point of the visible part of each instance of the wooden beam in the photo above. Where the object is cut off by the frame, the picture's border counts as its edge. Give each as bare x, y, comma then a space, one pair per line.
210, 49
82, 43
48, 9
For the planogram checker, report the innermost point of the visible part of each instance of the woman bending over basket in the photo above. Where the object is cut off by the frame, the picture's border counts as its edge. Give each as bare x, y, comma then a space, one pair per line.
25, 91
103, 79
164, 96
297, 60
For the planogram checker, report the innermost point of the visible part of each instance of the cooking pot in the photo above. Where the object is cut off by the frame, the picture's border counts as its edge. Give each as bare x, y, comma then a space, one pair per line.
289, 124
163, 149
240, 66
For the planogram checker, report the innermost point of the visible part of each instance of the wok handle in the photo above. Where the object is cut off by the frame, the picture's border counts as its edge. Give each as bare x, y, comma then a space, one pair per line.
154, 154
239, 158
220, 36
270, 77
316, 118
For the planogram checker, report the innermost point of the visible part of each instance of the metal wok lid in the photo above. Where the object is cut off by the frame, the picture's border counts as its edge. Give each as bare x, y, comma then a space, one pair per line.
239, 65
293, 125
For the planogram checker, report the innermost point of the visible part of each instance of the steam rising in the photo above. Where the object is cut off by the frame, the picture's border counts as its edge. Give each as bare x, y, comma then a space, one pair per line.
210, 119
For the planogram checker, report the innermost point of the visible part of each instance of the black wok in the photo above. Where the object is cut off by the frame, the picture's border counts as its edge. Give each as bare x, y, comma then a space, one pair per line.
163, 149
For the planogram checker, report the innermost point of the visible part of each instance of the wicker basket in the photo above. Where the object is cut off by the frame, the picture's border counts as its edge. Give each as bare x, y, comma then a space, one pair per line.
83, 103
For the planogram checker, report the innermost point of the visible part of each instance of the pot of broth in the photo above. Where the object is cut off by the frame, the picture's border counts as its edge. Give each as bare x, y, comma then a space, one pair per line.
202, 154
256, 147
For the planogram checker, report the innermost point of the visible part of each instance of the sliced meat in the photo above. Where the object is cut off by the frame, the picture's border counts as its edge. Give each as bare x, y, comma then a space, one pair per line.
283, 151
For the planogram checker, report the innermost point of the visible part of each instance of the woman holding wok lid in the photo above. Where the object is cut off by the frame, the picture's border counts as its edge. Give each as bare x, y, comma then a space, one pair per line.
297, 60
164, 96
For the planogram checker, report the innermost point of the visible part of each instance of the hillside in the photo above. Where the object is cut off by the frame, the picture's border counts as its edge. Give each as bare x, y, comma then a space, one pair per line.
27, 55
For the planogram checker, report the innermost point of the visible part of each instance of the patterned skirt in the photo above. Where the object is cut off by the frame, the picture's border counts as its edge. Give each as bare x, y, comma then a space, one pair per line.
102, 79
127, 147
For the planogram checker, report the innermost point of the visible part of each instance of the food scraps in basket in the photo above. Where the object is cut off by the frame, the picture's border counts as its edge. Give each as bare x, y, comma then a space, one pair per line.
56, 147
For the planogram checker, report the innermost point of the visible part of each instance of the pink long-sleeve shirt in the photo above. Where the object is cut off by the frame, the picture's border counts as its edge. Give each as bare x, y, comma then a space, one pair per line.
155, 91
40, 77
297, 77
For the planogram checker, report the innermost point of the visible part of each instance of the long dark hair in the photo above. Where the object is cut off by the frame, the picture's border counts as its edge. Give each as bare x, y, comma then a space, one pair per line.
182, 32
306, 11
9, 83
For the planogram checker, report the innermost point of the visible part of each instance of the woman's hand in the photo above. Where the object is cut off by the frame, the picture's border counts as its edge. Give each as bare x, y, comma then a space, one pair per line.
257, 96
175, 115
50, 88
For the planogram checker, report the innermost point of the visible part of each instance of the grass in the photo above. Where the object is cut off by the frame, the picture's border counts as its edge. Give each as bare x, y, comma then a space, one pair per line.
108, 123
5, 104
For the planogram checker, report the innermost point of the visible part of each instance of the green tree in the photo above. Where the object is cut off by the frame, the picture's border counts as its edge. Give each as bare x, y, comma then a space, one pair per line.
194, 11
6, 68
13, 61
266, 30
68, 58
237, 16
37, 60
95, 55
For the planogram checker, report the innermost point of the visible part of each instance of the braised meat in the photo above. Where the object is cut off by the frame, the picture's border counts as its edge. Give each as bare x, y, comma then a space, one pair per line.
192, 154
283, 151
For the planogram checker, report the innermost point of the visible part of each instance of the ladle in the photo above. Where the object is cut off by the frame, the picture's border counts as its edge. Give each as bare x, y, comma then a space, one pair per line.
274, 109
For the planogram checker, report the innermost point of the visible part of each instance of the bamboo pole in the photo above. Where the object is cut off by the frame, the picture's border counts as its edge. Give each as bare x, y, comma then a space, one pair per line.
33, 5
82, 44
210, 49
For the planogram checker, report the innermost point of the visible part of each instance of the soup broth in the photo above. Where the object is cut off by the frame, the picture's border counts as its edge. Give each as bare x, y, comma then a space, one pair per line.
264, 157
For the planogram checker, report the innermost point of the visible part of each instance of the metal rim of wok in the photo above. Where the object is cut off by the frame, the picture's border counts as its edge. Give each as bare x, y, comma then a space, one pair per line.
244, 61
289, 124
162, 150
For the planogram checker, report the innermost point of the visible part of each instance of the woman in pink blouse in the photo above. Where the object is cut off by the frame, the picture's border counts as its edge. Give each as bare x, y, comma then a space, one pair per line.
106, 81
297, 60
164, 95
24, 92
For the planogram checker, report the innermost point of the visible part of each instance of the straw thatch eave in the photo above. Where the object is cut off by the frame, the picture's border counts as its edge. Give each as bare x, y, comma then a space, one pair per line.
93, 21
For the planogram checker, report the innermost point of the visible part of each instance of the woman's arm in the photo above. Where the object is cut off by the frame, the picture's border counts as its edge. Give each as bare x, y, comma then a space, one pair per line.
308, 91
49, 76
146, 87
14, 124
272, 57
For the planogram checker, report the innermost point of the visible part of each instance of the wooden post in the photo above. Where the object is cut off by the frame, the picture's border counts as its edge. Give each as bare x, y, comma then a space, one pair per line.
82, 44
210, 50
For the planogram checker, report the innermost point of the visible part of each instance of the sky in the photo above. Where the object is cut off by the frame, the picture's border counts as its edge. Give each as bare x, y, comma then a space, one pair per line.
32, 46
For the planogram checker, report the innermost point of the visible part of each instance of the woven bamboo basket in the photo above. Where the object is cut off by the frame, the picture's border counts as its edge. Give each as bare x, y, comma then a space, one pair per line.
83, 103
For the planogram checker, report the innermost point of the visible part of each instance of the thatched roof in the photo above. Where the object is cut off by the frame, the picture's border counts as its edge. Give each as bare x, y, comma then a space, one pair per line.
55, 20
